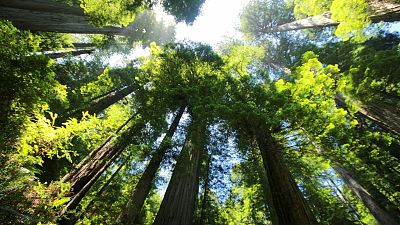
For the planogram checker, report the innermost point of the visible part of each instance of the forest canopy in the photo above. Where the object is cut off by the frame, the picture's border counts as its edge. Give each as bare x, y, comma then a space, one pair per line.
107, 118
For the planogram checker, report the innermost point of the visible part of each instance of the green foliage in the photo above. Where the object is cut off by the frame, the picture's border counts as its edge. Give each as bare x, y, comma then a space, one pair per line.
352, 15
103, 13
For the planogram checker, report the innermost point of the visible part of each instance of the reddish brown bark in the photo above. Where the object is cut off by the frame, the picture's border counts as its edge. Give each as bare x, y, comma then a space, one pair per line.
288, 202
132, 210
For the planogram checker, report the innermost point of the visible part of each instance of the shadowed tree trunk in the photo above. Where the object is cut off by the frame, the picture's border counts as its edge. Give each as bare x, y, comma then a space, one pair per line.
78, 45
84, 177
49, 16
372, 199
132, 210
383, 217
203, 210
265, 185
382, 114
388, 11
179, 201
56, 55
100, 105
288, 202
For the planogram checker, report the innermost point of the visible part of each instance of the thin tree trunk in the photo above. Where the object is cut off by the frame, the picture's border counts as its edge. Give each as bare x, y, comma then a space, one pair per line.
178, 204
86, 160
202, 220
266, 187
287, 199
380, 11
131, 213
369, 198
79, 45
100, 158
342, 196
66, 217
62, 54
382, 114
383, 217
100, 105
104, 187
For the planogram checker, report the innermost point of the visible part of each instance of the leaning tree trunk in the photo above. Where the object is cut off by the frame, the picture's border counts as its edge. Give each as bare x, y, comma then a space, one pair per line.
178, 204
62, 54
370, 198
49, 16
288, 202
82, 179
100, 105
132, 210
379, 11
204, 205
380, 214
384, 115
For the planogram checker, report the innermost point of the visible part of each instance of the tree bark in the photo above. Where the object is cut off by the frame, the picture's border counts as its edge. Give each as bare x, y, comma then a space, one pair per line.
382, 114
98, 106
380, 11
132, 209
203, 209
83, 179
48, 16
178, 204
62, 54
383, 217
288, 202
372, 199
80, 45
266, 187
86, 160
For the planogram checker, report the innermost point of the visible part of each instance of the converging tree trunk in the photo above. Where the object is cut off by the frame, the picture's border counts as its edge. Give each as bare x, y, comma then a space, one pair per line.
265, 185
381, 215
178, 204
132, 210
100, 105
203, 208
288, 202
82, 179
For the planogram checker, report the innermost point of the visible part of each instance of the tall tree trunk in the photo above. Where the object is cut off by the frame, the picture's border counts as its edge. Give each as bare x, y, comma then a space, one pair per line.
79, 45
100, 105
56, 55
381, 215
266, 186
132, 210
103, 188
83, 179
372, 199
49, 16
289, 203
178, 204
203, 209
388, 11
382, 114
